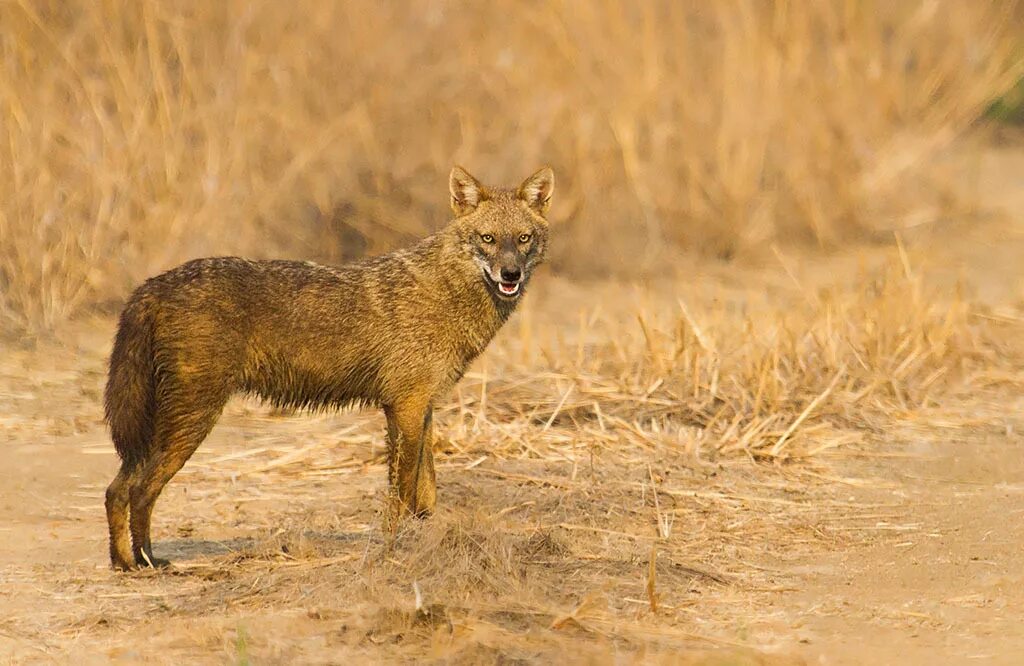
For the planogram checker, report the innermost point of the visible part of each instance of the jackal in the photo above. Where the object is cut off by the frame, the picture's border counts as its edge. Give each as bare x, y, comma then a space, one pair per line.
395, 331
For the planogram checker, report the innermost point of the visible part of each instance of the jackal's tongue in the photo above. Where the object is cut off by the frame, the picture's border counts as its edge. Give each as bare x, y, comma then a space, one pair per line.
508, 288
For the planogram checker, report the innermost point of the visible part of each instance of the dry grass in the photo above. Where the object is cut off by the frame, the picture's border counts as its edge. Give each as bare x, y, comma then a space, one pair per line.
737, 378
135, 135
601, 496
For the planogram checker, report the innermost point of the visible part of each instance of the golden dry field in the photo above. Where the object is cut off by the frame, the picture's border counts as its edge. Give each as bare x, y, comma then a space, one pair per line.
763, 406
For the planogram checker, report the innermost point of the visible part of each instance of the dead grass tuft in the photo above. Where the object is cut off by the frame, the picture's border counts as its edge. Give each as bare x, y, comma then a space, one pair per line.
726, 378
458, 551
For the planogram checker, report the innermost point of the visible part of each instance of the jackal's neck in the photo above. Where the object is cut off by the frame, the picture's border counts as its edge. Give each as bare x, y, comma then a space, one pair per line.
475, 315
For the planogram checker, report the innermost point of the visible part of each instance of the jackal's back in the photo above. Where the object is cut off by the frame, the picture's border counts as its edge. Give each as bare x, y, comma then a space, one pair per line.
301, 334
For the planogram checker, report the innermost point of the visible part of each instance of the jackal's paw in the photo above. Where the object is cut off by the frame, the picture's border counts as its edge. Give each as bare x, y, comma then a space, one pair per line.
142, 561
423, 513
123, 565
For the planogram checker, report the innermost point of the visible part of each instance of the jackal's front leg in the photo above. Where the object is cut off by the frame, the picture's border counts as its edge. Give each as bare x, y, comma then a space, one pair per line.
411, 457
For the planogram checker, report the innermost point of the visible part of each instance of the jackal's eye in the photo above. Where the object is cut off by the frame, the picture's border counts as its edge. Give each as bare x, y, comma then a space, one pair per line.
487, 238
524, 238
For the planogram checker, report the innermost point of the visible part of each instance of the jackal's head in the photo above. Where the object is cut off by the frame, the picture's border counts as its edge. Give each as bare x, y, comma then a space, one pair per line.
502, 231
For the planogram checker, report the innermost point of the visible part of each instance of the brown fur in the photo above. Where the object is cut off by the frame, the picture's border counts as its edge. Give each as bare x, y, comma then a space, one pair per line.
395, 331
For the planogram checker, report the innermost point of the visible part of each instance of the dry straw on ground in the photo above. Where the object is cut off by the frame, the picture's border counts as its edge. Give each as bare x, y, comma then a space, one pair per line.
136, 135
598, 491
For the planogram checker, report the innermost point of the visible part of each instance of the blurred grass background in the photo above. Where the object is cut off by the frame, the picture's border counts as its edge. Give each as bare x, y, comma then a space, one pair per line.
1009, 108
135, 135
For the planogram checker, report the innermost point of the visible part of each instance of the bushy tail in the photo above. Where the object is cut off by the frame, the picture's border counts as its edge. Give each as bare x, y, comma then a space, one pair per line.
130, 398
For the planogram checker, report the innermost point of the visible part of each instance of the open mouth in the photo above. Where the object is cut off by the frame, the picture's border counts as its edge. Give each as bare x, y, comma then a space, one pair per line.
508, 288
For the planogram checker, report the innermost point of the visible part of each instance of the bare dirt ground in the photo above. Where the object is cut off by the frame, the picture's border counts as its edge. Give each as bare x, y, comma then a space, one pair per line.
903, 545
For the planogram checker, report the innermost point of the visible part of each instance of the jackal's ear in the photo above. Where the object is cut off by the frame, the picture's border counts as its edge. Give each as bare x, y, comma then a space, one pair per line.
536, 190
467, 192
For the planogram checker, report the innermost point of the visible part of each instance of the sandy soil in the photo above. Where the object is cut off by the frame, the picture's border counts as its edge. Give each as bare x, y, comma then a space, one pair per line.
930, 571
907, 547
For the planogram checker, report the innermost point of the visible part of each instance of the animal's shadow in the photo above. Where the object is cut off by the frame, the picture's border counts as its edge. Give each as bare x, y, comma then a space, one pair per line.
188, 549
183, 550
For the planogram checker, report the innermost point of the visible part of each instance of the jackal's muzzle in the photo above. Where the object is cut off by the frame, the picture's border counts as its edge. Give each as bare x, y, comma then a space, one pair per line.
505, 281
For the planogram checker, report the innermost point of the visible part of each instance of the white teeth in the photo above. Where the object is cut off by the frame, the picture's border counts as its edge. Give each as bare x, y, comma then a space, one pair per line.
508, 291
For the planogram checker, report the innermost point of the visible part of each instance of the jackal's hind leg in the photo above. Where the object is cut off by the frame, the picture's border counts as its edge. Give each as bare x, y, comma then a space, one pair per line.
121, 556
176, 440
146, 487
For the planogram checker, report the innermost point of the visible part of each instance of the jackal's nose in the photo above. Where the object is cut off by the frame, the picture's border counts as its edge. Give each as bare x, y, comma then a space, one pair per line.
511, 274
